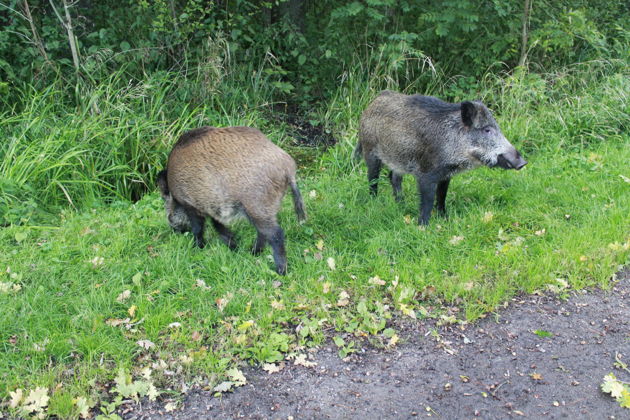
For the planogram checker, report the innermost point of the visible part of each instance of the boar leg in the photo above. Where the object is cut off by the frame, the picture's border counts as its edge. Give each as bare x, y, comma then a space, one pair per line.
396, 180
259, 245
426, 189
374, 169
442, 189
271, 232
197, 225
225, 234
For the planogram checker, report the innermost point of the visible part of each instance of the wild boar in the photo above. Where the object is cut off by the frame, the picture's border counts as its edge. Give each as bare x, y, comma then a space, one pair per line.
432, 140
228, 173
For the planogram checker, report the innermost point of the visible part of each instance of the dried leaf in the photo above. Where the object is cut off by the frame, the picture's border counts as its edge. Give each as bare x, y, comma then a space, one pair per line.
36, 401
326, 287
487, 217
300, 359
123, 296
331, 263
376, 280
16, 397
174, 325
320, 245
83, 406
132, 310
344, 298
196, 336
277, 304
237, 376
145, 344
536, 376
172, 406
272, 367
456, 240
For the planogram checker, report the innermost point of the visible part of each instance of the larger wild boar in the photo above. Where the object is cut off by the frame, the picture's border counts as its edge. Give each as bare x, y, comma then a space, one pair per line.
432, 140
227, 173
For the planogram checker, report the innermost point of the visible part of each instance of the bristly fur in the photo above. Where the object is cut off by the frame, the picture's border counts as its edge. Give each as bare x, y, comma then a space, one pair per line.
430, 139
226, 173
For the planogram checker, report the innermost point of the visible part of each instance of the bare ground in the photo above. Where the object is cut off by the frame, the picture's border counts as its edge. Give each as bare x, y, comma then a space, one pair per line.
496, 368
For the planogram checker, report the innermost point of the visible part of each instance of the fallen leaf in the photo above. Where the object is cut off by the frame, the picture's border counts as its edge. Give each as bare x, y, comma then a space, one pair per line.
344, 298
145, 344
132, 310
407, 219
223, 386
277, 304
300, 359
487, 217
16, 397
469, 285
172, 406
174, 325
612, 386
97, 261
456, 240
36, 401
331, 263
376, 280
123, 296
237, 376
536, 376
540, 232
272, 367
246, 325
320, 245
201, 284
312, 194
196, 336
625, 178
83, 406
326, 287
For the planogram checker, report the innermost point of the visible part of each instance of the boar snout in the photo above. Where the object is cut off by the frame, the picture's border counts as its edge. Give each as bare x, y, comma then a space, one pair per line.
511, 160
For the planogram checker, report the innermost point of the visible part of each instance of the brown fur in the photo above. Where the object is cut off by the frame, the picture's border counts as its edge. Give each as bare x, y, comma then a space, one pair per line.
231, 172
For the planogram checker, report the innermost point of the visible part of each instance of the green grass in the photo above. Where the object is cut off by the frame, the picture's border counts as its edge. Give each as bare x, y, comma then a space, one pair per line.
565, 216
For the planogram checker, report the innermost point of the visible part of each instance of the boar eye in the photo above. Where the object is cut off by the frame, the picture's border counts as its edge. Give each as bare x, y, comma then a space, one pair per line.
487, 130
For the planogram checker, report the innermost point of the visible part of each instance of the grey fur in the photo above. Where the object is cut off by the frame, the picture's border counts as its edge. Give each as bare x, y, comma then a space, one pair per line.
225, 174
432, 140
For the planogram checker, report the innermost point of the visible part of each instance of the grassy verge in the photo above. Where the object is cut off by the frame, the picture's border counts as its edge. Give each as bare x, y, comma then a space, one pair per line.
112, 287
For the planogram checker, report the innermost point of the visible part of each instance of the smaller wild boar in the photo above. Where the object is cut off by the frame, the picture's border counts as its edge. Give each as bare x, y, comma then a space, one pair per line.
432, 140
225, 174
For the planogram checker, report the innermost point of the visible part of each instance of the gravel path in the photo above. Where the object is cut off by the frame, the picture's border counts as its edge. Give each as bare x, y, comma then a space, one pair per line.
496, 368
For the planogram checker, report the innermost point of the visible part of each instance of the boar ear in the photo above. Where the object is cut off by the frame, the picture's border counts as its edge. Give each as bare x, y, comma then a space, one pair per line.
469, 112
162, 184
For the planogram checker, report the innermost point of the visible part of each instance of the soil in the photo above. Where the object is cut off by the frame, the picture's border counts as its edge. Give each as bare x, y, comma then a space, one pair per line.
495, 368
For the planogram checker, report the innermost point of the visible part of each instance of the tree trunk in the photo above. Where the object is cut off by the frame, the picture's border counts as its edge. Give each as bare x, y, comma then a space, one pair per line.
36, 39
525, 32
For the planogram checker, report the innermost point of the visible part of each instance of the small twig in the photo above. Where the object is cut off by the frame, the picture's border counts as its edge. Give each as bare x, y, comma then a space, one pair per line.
620, 363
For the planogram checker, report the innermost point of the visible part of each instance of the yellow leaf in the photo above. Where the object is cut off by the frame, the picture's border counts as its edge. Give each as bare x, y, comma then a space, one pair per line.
487, 217
331, 263
245, 325
326, 287
132, 310
320, 245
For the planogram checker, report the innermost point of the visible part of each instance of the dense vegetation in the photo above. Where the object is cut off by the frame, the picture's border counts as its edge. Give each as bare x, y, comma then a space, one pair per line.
94, 94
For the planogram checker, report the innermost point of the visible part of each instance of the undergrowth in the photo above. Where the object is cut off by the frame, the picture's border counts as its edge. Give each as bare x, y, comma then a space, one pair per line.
104, 302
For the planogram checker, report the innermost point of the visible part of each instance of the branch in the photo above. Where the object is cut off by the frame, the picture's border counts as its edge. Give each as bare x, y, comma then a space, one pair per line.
525, 32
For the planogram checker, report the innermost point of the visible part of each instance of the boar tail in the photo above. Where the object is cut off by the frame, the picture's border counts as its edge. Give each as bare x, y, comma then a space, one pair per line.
358, 151
298, 203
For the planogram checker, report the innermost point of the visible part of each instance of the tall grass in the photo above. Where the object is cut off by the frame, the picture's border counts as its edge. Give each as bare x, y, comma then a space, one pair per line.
108, 141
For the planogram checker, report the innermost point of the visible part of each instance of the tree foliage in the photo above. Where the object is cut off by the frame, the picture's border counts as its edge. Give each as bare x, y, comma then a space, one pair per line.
306, 44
